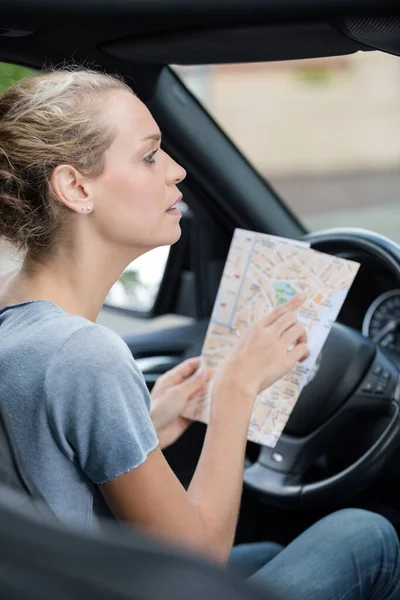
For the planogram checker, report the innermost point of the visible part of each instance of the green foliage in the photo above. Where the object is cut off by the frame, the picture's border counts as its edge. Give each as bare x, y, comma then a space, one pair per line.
130, 278
9, 74
315, 75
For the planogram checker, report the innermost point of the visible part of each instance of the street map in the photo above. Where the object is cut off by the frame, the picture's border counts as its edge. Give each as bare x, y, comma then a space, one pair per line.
262, 272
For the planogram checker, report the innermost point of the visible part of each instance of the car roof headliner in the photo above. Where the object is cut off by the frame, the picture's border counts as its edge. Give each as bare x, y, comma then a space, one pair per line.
149, 33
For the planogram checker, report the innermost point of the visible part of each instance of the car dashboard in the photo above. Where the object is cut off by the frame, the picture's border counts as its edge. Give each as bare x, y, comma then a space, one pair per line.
373, 307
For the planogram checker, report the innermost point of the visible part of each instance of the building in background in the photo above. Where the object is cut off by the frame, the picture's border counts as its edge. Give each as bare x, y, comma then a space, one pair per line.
325, 132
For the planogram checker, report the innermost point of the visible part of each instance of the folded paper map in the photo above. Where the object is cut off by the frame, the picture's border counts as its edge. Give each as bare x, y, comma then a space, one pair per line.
262, 272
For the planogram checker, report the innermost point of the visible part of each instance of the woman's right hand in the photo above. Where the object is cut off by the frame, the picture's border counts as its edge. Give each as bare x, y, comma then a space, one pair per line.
265, 352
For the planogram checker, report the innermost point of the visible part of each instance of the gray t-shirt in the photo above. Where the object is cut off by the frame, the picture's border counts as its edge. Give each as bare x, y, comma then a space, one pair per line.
77, 403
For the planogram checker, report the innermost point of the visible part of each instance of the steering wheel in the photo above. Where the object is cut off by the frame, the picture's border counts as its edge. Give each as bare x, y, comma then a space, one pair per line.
355, 376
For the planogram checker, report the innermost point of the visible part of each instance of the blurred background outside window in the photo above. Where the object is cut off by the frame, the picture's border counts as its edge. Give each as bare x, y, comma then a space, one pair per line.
325, 132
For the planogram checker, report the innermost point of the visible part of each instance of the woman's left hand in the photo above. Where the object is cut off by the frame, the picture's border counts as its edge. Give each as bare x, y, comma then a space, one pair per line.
170, 395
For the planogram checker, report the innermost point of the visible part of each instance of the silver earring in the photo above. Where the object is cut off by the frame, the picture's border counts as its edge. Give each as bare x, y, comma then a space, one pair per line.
86, 208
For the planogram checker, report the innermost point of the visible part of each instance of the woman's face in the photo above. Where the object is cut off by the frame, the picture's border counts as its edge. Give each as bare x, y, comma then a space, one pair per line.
133, 195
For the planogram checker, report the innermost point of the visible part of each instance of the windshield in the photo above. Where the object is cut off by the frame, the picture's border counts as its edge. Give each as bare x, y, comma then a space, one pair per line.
324, 132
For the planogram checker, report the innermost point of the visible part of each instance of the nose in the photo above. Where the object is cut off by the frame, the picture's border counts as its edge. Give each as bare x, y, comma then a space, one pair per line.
175, 173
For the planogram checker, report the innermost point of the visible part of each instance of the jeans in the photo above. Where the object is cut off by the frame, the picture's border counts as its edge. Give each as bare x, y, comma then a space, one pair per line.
350, 555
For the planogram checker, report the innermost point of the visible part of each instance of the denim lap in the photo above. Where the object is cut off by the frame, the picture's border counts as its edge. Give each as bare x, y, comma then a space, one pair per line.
349, 555
246, 559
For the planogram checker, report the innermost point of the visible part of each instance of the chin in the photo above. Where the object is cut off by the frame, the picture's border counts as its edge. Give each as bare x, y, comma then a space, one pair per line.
173, 238
165, 240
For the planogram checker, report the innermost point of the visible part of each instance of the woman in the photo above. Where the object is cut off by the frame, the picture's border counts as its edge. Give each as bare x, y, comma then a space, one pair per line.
85, 189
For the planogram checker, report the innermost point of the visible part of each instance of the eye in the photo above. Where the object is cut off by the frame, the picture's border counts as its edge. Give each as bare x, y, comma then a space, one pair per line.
149, 158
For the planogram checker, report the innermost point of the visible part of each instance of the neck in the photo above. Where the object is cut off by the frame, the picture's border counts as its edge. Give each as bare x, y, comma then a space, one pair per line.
77, 281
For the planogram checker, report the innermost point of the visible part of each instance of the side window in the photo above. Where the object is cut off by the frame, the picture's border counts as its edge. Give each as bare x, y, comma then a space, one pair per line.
138, 286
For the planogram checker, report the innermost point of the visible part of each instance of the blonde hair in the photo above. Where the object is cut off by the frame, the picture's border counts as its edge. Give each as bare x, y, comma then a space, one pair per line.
48, 119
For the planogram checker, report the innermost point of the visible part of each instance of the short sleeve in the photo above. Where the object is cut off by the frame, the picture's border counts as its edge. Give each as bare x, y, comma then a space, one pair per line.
98, 404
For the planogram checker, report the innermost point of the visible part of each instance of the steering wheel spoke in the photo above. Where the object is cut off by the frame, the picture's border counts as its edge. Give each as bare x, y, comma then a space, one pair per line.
291, 455
380, 386
264, 480
281, 468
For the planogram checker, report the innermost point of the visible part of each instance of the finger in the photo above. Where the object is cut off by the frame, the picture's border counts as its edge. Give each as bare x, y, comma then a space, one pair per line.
290, 306
188, 366
295, 334
303, 339
300, 353
284, 323
181, 372
197, 383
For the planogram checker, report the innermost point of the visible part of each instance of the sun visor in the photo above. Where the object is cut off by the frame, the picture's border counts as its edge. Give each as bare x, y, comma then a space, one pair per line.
379, 33
244, 44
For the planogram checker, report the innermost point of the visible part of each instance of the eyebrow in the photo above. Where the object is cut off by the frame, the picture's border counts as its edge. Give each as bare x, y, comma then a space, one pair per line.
154, 136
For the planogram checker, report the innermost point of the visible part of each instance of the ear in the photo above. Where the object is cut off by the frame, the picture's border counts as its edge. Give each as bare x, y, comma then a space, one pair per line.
69, 187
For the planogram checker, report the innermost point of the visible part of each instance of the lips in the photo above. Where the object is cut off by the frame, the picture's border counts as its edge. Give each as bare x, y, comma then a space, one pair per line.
175, 204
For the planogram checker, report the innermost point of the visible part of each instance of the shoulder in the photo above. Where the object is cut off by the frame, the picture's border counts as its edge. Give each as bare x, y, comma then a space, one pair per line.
92, 370
96, 342
95, 363
56, 335
93, 357
79, 343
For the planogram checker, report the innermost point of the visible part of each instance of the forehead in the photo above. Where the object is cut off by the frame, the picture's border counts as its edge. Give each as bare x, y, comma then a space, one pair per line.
129, 117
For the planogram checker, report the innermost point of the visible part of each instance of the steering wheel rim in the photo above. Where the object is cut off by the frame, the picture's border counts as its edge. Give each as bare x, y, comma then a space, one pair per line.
278, 473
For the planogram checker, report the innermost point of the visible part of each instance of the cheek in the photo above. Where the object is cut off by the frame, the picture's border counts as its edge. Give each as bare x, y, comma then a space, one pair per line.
122, 184
131, 198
